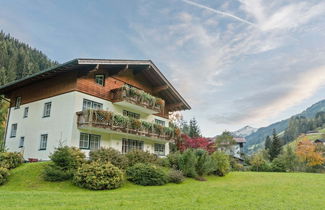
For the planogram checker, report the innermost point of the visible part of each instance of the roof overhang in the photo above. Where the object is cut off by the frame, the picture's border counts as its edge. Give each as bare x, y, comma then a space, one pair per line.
149, 70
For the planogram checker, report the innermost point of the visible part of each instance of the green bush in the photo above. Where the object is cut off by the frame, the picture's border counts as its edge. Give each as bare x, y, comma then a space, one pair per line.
163, 162
174, 160
278, 165
139, 156
11, 160
68, 158
204, 163
176, 176
220, 163
109, 155
187, 163
4, 173
55, 173
146, 174
259, 163
98, 176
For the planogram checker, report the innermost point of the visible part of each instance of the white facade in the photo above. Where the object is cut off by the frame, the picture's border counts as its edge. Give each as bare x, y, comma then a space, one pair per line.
61, 126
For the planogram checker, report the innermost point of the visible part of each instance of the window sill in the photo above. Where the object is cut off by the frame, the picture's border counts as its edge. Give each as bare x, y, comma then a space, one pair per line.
41, 149
46, 116
12, 136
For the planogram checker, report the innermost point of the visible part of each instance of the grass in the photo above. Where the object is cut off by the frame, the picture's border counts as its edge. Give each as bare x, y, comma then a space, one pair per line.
238, 190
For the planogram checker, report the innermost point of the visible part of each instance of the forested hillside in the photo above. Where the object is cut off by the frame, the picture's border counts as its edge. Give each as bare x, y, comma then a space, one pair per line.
17, 60
256, 140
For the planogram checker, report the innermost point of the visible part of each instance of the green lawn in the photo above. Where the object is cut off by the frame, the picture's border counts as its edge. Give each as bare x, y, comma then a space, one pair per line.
238, 190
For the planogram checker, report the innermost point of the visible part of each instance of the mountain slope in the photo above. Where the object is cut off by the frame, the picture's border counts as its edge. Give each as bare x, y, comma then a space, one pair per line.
245, 131
256, 139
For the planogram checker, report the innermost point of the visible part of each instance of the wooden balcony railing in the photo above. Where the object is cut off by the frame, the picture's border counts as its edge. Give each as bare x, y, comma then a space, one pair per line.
119, 123
138, 97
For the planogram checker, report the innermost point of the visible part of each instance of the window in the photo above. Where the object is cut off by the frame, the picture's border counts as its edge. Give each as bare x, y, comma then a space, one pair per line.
88, 104
160, 122
26, 112
47, 109
43, 142
131, 114
13, 130
89, 141
21, 142
18, 101
160, 149
100, 79
130, 145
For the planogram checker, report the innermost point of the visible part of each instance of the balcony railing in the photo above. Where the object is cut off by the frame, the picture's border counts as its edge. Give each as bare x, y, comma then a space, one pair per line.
119, 123
138, 97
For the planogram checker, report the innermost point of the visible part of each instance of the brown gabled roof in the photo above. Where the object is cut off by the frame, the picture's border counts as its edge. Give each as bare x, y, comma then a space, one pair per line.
149, 70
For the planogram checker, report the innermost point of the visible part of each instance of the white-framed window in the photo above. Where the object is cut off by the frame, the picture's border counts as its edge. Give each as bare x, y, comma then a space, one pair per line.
100, 79
129, 145
160, 122
160, 149
131, 114
89, 141
43, 142
18, 102
13, 130
88, 104
21, 142
47, 109
26, 112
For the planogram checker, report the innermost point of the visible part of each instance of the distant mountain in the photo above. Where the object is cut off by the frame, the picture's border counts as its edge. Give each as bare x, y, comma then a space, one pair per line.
256, 140
245, 131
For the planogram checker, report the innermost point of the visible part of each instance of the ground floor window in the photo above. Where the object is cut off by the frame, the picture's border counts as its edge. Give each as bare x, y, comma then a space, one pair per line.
21, 142
160, 149
130, 145
43, 143
89, 141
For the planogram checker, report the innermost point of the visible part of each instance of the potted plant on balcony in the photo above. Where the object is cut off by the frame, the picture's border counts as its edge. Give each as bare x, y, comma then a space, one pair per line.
147, 127
120, 122
159, 104
135, 124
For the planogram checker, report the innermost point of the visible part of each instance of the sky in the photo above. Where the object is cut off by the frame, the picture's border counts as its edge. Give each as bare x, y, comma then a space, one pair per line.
236, 62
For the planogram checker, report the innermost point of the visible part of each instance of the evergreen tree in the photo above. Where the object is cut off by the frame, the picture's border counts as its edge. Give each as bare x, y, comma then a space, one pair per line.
268, 143
275, 146
185, 127
194, 130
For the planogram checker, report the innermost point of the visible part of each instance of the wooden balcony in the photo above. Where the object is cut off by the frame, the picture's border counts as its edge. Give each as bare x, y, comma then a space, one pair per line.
116, 123
138, 100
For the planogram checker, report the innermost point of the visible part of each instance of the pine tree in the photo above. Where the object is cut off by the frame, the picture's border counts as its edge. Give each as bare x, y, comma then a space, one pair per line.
268, 143
275, 146
194, 130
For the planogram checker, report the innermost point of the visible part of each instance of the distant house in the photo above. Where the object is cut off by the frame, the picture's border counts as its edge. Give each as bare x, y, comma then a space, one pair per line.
320, 141
92, 103
236, 149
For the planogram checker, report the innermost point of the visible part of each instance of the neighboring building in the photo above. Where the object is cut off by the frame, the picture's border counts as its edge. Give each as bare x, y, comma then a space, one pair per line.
236, 149
320, 141
92, 103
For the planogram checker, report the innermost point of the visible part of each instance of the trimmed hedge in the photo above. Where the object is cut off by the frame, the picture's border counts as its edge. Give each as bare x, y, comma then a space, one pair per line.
146, 174
68, 157
175, 176
11, 160
4, 173
55, 173
109, 155
139, 156
98, 176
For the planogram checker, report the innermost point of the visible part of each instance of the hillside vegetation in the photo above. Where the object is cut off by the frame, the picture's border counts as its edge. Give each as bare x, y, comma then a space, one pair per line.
239, 190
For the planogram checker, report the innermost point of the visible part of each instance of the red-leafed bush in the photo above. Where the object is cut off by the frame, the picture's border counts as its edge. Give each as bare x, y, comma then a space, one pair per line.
195, 143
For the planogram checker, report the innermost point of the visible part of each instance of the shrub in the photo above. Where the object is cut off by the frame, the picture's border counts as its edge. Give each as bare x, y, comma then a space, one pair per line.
220, 163
109, 155
203, 164
11, 160
68, 158
146, 174
174, 160
176, 176
258, 163
55, 173
4, 173
139, 156
98, 176
164, 162
278, 165
187, 163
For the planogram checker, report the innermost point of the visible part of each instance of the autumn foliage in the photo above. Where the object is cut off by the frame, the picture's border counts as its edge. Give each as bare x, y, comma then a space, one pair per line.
195, 143
307, 153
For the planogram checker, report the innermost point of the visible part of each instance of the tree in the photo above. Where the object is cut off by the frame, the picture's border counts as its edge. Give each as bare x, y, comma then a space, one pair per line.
306, 152
289, 158
197, 143
225, 140
276, 145
268, 143
194, 130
